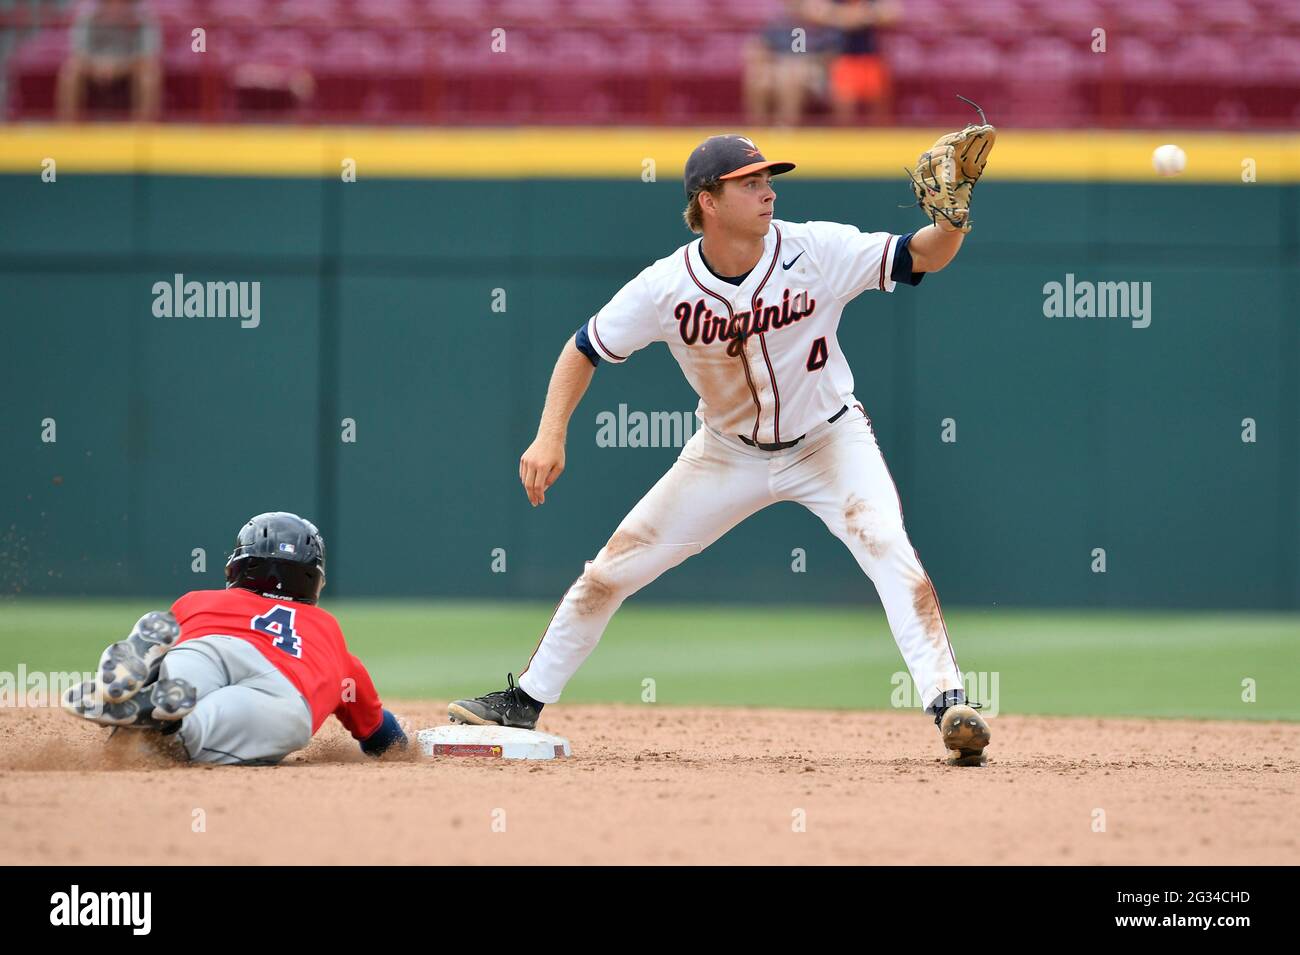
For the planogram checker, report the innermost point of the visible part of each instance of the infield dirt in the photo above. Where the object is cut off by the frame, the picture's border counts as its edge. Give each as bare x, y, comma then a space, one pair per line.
652, 784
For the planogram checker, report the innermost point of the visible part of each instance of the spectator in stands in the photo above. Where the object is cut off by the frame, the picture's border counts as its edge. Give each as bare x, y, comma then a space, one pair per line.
114, 54
786, 62
859, 74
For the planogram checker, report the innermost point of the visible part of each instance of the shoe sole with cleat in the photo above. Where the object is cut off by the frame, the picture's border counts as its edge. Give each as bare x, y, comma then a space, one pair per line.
130, 664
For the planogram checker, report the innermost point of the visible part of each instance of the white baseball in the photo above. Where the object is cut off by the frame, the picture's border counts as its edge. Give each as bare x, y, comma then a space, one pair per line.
1169, 160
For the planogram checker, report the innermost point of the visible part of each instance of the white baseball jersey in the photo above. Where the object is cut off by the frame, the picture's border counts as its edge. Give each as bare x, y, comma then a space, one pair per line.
763, 355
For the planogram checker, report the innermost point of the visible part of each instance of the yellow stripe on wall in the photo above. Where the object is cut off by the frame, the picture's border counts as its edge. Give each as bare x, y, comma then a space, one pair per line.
587, 152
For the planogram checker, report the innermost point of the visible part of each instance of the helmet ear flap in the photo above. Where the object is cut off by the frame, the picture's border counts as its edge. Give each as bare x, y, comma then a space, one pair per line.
234, 568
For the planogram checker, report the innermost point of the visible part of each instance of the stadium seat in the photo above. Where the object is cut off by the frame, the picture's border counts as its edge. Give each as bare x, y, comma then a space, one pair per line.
193, 82
1136, 58
682, 15
988, 17
1139, 18
238, 14
473, 15
1276, 59
740, 15
906, 54
1045, 78
1204, 57
529, 13
604, 13
1227, 15
317, 15
1072, 19
394, 14
180, 13
1283, 16
33, 71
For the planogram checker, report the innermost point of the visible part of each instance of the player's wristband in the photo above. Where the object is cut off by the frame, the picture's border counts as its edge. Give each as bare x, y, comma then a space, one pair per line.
388, 734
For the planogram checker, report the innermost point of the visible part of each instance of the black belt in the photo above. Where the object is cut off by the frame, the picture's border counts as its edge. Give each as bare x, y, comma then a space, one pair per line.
782, 445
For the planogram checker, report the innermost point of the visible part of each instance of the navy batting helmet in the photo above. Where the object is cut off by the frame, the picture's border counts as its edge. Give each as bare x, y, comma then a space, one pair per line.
278, 555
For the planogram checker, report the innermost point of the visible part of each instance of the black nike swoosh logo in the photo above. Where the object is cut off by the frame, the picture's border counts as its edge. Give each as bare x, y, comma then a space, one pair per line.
786, 265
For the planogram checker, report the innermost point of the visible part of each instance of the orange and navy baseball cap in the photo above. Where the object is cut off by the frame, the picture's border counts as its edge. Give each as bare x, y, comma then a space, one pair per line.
727, 157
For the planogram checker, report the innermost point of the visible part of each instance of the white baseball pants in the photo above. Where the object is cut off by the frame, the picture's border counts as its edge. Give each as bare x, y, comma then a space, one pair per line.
837, 472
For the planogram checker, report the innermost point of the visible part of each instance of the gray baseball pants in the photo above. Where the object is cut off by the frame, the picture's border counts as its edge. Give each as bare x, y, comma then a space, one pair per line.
248, 711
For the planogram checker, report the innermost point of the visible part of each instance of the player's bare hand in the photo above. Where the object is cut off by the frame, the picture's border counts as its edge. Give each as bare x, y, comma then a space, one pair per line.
540, 467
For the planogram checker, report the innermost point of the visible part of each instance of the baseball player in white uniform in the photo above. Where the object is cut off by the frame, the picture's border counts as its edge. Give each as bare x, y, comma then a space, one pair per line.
750, 311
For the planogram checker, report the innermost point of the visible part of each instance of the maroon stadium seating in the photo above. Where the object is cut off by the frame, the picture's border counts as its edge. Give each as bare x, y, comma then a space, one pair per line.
1216, 63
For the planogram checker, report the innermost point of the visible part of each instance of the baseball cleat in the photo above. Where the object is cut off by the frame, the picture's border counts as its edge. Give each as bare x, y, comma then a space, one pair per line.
508, 707
966, 734
83, 700
157, 706
130, 664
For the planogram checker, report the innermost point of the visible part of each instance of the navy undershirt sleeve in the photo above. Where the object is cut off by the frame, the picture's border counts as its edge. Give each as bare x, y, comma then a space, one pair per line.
583, 342
902, 270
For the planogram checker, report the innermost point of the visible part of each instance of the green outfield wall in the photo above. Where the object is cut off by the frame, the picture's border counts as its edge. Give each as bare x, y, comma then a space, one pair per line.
429, 313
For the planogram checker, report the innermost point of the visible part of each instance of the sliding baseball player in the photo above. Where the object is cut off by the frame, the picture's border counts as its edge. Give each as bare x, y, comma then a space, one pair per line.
244, 675
750, 311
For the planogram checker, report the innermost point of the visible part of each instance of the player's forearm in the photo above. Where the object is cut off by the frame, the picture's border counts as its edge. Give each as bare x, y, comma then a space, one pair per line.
569, 382
933, 247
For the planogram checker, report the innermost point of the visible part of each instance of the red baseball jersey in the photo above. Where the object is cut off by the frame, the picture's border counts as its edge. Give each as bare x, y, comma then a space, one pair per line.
302, 641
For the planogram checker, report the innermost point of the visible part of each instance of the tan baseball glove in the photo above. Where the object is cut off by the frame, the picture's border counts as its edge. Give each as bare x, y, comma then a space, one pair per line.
946, 173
